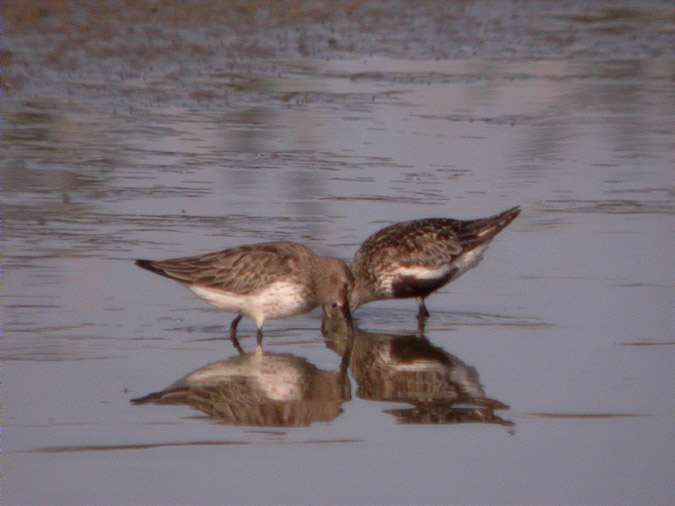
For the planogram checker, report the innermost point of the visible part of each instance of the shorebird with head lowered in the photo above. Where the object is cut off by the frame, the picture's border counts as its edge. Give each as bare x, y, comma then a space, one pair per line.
413, 259
263, 281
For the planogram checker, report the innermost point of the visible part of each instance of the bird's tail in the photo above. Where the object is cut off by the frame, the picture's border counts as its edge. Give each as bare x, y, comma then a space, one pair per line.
478, 232
149, 265
161, 268
147, 399
161, 397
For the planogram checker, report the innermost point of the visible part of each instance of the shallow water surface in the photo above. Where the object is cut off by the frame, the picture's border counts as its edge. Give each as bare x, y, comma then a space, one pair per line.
545, 375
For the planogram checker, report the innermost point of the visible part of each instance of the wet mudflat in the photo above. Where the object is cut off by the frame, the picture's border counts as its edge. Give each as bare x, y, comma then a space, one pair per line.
546, 374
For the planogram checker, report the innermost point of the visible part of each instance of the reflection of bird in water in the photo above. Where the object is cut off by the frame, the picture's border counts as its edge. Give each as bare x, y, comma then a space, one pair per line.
409, 369
261, 389
261, 281
416, 258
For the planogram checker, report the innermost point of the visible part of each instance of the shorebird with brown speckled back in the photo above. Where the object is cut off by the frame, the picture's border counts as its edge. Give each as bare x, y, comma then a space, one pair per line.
416, 258
261, 389
262, 281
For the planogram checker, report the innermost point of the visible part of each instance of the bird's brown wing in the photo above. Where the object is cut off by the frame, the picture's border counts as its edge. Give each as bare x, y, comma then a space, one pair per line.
243, 269
430, 243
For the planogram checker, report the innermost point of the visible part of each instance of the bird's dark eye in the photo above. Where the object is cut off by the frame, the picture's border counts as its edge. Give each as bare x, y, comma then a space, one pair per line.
334, 305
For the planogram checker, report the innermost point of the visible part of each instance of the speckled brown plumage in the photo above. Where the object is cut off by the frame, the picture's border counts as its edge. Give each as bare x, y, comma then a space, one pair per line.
415, 258
242, 269
272, 389
410, 369
261, 281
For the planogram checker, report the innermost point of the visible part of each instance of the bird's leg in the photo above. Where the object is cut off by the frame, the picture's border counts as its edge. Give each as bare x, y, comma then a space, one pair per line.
343, 377
422, 315
233, 334
422, 312
421, 325
259, 338
233, 327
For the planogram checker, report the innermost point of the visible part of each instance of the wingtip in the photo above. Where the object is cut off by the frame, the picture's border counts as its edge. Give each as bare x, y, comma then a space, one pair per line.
148, 265
144, 399
161, 397
480, 231
159, 268
514, 211
508, 216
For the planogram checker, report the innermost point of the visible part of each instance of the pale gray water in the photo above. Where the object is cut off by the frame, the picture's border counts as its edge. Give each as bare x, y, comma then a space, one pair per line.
569, 319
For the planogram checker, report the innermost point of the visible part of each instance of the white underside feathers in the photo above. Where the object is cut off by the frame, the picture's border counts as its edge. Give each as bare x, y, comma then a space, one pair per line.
279, 300
462, 264
423, 272
469, 260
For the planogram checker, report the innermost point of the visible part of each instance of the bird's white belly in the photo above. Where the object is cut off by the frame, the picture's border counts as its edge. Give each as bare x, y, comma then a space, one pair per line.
469, 260
279, 377
423, 272
417, 272
278, 300
462, 264
280, 384
226, 301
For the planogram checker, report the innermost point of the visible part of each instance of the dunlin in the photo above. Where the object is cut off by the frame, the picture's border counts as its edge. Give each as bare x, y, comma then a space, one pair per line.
262, 281
416, 258
261, 389
409, 369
